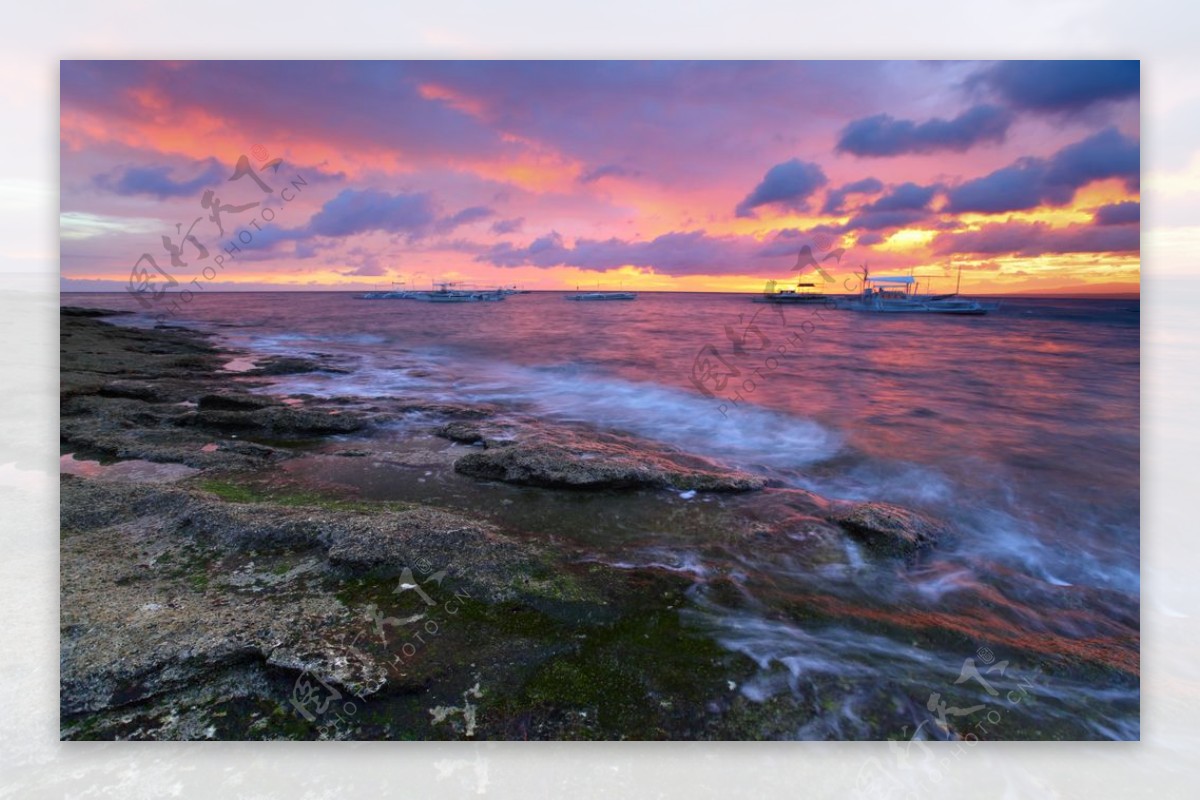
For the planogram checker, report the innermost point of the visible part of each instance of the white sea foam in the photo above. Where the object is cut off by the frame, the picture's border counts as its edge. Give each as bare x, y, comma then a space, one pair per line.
753, 437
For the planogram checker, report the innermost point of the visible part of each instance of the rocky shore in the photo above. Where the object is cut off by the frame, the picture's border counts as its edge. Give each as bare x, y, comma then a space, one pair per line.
239, 576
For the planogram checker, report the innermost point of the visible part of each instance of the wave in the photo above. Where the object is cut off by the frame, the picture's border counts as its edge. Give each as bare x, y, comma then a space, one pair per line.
754, 438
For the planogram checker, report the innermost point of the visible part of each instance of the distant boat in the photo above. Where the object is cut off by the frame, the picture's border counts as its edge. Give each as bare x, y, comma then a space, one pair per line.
388, 294
897, 294
445, 294
603, 296
803, 293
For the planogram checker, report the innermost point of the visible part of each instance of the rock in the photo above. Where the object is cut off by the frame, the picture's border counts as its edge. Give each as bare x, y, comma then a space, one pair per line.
190, 447
423, 535
233, 402
96, 354
88, 505
140, 390
290, 365
116, 652
79, 311
450, 410
598, 466
473, 553
276, 420
490, 436
122, 392
890, 529
167, 589
337, 663
466, 433
178, 606
385, 540
138, 619
116, 412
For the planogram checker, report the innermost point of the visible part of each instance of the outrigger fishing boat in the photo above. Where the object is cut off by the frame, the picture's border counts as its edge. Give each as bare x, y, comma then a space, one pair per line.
388, 294
598, 295
893, 294
446, 294
603, 296
803, 293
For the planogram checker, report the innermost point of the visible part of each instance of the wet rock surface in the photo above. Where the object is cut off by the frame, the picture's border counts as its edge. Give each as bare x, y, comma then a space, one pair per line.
79, 311
275, 420
232, 401
203, 609
287, 365
215, 607
164, 588
161, 395
890, 529
544, 457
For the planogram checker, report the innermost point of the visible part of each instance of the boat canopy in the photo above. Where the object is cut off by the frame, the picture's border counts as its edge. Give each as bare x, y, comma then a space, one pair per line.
893, 279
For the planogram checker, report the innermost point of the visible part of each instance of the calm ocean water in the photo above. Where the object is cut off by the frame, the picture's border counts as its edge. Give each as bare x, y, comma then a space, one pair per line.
1021, 428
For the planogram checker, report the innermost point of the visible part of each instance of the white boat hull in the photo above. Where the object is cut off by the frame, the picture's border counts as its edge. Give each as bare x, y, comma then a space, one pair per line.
957, 307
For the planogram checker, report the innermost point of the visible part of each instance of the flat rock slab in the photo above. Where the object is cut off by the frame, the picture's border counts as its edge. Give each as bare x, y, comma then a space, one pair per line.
234, 402
598, 465
161, 591
276, 420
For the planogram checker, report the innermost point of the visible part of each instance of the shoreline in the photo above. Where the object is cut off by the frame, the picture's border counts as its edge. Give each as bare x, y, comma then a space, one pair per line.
285, 577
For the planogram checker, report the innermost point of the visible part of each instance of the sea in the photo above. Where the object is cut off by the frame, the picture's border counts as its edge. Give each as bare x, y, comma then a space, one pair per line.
1019, 428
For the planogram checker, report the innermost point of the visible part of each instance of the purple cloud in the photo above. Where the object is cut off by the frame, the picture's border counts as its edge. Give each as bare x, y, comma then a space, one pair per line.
904, 205
157, 181
676, 253
356, 211
789, 241
508, 226
1036, 239
788, 185
465, 217
835, 200
1124, 213
606, 171
1107, 154
1061, 86
1030, 182
884, 135
653, 118
906, 196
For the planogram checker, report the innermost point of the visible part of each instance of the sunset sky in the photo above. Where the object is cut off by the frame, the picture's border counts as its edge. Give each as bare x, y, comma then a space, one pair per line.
648, 175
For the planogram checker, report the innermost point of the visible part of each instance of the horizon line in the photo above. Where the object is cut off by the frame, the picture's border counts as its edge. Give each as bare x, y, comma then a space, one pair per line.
1064, 293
